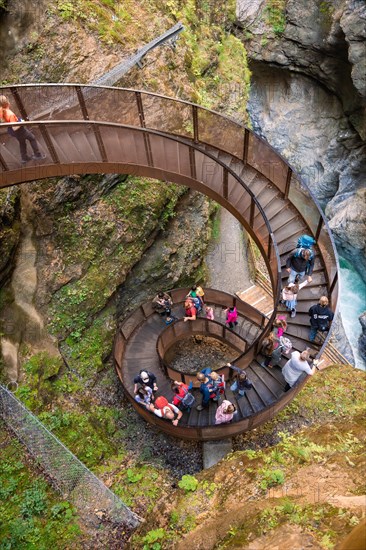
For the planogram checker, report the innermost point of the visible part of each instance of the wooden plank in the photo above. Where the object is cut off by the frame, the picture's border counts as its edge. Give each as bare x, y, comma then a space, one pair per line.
266, 394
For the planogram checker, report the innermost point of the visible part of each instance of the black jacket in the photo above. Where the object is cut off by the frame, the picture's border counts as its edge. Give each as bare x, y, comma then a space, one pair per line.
300, 264
151, 382
320, 316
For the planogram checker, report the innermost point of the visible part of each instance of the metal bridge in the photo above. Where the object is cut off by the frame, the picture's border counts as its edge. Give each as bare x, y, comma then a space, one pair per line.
92, 129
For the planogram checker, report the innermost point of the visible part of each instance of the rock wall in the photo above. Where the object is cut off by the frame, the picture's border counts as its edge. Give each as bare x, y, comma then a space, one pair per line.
308, 100
9, 230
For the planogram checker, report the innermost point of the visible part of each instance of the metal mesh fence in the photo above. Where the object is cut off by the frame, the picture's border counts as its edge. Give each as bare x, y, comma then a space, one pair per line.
69, 476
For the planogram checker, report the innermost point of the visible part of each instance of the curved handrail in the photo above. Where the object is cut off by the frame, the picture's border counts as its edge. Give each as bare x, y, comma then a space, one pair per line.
242, 144
180, 330
268, 163
42, 171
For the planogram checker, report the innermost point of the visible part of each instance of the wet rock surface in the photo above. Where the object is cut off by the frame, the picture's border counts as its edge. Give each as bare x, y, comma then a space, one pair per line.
307, 99
362, 338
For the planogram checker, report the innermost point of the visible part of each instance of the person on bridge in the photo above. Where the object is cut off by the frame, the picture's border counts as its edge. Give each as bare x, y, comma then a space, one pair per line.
164, 409
272, 351
162, 303
320, 317
296, 366
241, 381
196, 292
145, 378
208, 388
289, 295
210, 315
225, 412
21, 133
300, 262
144, 396
190, 311
231, 316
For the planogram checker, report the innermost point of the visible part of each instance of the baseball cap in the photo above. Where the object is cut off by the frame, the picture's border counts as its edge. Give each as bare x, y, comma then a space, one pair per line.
144, 376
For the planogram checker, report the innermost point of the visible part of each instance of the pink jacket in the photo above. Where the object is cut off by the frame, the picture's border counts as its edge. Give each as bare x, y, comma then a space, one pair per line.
210, 314
221, 417
231, 316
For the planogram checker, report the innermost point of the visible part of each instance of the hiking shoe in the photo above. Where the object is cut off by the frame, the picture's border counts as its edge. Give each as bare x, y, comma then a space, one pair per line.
40, 156
293, 313
200, 407
25, 160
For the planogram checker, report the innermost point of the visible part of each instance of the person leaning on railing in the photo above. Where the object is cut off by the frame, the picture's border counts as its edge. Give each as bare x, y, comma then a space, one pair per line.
190, 311
296, 366
18, 131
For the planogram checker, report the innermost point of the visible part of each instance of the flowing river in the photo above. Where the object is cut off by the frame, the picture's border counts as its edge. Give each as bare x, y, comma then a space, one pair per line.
352, 304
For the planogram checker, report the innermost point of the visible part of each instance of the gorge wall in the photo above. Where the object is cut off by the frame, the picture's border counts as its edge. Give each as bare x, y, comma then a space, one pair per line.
308, 100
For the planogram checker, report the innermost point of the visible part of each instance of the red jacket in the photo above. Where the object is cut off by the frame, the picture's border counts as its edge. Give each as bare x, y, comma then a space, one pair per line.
183, 390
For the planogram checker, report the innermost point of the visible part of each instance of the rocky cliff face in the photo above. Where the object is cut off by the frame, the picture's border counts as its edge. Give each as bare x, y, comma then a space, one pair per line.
308, 99
362, 339
9, 230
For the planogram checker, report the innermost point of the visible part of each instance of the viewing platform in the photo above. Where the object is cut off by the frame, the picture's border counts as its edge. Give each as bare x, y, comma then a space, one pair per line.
84, 129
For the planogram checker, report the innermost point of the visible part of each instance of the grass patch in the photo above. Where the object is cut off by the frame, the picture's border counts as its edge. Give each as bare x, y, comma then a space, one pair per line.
275, 15
32, 515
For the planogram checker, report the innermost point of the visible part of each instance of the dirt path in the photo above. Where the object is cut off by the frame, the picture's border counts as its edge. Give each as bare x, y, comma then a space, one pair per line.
226, 260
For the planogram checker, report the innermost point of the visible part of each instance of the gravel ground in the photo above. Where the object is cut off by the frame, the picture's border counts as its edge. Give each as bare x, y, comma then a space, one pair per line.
199, 352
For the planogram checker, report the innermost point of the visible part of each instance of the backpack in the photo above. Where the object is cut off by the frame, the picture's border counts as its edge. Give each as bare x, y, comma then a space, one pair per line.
188, 400
197, 303
161, 402
286, 344
305, 241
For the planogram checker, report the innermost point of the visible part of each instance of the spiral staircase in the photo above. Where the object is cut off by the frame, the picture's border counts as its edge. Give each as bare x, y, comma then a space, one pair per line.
90, 129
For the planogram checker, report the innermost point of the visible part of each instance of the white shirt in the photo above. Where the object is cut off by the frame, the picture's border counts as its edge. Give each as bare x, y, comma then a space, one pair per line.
294, 368
162, 412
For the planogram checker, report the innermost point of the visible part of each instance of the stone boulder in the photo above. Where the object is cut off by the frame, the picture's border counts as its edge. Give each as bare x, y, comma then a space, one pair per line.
362, 338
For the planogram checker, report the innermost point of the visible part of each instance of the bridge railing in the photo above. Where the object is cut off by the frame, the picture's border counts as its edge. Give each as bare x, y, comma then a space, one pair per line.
181, 330
146, 110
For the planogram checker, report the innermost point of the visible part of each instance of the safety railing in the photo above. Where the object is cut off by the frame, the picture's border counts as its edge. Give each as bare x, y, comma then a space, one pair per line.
202, 127
70, 477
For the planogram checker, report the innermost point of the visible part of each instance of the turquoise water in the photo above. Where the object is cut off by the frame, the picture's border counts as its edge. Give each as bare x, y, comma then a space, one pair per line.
352, 304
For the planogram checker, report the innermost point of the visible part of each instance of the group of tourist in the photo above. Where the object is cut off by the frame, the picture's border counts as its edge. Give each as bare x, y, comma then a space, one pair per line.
194, 305
145, 388
299, 264
212, 388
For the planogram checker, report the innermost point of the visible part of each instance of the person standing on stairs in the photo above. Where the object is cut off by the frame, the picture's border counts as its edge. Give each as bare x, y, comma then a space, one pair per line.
271, 349
21, 133
296, 366
241, 381
225, 412
300, 262
320, 317
289, 295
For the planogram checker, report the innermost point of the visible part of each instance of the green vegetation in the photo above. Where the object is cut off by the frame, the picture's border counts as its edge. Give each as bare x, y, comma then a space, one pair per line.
32, 515
188, 483
120, 227
275, 15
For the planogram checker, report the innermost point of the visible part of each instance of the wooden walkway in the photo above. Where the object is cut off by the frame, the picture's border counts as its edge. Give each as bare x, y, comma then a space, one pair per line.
258, 296
85, 129
140, 353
